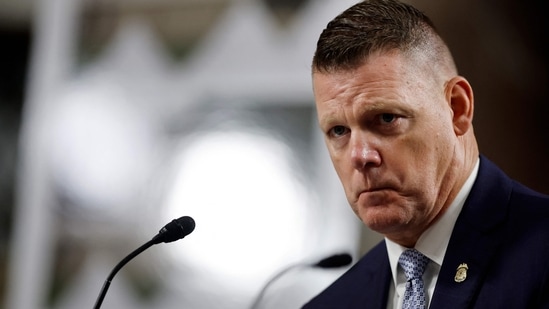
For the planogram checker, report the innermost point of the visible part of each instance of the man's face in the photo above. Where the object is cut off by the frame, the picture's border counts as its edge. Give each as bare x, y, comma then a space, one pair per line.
388, 128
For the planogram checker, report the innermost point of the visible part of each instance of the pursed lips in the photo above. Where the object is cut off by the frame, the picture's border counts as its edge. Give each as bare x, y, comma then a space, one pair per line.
375, 189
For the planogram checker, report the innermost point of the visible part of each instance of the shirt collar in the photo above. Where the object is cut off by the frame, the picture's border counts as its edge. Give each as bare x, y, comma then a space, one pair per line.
434, 241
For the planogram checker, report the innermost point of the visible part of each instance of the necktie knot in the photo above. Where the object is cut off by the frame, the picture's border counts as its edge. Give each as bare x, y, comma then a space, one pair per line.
413, 262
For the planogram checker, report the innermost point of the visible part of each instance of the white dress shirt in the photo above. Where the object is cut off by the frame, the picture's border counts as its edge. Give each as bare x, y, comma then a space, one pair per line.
432, 243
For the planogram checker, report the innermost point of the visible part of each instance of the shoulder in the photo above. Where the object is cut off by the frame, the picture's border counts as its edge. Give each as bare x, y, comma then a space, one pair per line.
494, 187
497, 202
370, 275
509, 224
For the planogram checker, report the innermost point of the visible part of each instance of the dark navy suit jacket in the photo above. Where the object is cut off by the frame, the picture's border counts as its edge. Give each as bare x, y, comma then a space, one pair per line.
502, 233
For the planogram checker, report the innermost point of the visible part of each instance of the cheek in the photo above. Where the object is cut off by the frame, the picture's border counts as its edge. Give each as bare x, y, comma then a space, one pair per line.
339, 162
428, 146
344, 172
415, 164
425, 170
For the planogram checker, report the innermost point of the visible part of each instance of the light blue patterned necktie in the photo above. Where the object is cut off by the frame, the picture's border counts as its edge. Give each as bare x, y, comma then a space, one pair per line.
414, 263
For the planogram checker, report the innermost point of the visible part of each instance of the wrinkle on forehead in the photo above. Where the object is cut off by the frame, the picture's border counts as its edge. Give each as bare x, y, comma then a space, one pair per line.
381, 82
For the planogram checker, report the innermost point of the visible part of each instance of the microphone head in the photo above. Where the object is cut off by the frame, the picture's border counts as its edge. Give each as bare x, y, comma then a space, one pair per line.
176, 229
335, 261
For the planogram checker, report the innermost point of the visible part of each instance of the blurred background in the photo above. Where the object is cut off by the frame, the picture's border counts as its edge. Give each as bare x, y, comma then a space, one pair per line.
117, 116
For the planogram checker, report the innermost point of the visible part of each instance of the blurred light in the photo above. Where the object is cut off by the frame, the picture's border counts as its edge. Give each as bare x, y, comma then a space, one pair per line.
248, 206
101, 149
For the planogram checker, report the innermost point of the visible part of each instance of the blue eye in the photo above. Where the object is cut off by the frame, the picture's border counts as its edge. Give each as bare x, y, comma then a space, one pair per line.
388, 118
339, 130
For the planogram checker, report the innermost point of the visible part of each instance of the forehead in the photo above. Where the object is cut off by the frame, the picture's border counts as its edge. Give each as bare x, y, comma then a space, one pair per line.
381, 75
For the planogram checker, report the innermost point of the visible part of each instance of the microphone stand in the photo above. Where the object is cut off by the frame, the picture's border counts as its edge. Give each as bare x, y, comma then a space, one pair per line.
115, 270
268, 284
334, 261
175, 230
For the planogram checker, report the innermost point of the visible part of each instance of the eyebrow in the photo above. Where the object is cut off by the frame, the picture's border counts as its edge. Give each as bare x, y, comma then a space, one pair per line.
326, 120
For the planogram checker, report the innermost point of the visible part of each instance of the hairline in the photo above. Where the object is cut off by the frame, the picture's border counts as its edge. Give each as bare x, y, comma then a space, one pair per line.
431, 54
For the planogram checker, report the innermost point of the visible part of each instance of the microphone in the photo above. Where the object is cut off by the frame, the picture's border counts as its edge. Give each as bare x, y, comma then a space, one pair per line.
333, 261
175, 230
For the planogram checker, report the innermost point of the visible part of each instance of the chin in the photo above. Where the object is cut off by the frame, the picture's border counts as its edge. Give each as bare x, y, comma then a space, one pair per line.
384, 219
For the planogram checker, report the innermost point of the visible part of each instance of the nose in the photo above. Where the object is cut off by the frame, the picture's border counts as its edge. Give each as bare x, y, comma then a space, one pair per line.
363, 154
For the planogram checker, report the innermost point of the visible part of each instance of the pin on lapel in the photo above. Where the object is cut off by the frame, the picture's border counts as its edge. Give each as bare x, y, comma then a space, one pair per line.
461, 272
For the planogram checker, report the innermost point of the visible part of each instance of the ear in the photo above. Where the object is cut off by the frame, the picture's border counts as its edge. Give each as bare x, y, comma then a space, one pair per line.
459, 95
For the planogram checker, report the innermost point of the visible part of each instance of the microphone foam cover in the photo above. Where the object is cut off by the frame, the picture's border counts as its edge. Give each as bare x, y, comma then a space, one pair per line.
176, 229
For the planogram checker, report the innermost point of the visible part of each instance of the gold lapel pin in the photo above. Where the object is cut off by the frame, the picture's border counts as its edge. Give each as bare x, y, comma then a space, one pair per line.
461, 272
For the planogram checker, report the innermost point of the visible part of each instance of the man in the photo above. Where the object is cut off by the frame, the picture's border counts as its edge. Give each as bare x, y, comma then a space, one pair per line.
397, 120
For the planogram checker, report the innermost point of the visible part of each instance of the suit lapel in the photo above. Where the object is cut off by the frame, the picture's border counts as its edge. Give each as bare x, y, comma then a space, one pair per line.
454, 291
373, 286
376, 296
475, 239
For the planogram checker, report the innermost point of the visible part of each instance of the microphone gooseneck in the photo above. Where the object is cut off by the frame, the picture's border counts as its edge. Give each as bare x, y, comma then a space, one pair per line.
175, 230
333, 261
